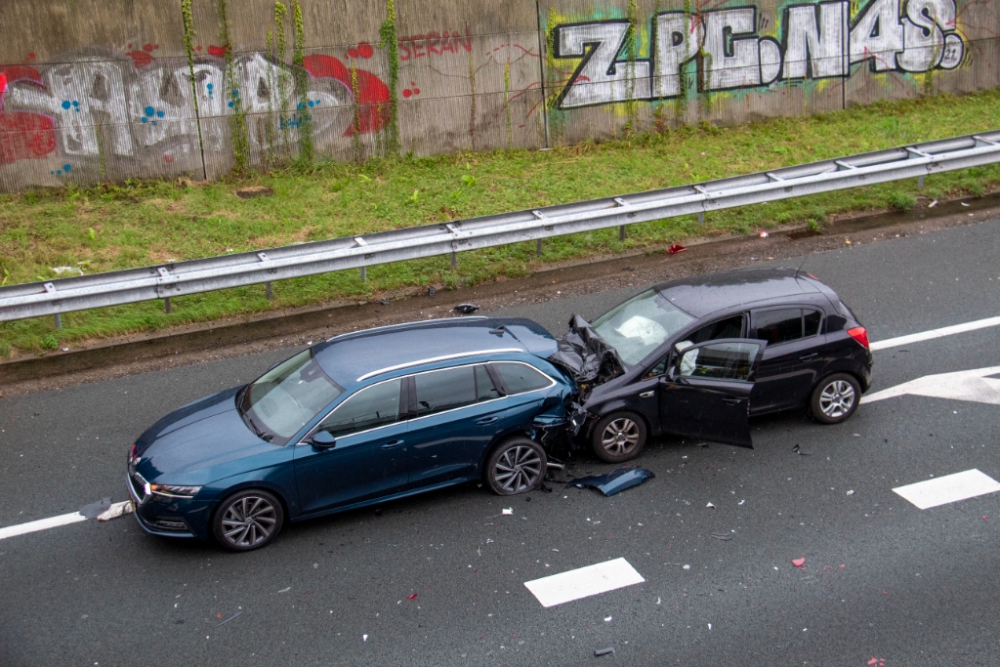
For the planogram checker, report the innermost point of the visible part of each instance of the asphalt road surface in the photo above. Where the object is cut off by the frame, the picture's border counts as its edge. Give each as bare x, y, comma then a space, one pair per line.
439, 579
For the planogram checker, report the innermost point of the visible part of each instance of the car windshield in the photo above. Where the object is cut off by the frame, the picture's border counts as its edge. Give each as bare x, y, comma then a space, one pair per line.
284, 399
640, 325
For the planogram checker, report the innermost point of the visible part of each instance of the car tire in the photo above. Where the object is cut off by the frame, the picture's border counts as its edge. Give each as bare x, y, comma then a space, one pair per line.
517, 465
618, 437
248, 520
835, 398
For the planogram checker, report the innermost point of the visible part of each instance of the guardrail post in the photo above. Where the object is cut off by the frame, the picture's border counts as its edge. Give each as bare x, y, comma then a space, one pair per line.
269, 291
454, 259
920, 181
167, 306
364, 274
621, 233
538, 248
58, 320
701, 217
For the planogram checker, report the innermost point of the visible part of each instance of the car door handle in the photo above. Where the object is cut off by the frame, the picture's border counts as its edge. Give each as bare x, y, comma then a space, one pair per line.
731, 400
394, 443
646, 394
488, 420
809, 357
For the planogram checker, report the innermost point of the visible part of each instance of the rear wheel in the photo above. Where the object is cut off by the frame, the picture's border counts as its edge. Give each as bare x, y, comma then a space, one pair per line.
248, 520
619, 437
835, 398
517, 465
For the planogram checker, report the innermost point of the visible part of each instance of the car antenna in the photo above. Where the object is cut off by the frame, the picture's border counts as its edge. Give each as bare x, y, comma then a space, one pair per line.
799, 270
498, 330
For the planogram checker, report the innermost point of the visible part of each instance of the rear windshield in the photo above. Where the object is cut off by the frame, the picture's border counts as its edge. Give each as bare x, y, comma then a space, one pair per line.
640, 325
279, 403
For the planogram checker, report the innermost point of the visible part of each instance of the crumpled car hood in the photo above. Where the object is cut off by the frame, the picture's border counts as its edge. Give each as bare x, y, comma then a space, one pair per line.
585, 356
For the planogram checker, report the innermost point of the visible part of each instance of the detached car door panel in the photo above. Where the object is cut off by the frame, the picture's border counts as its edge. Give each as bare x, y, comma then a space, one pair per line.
706, 393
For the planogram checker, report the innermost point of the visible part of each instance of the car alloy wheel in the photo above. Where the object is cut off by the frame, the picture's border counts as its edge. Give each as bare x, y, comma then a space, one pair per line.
619, 437
248, 520
835, 398
516, 466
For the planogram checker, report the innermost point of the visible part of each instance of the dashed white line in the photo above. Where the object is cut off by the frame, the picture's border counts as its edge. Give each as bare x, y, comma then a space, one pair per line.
41, 524
935, 333
948, 489
584, 582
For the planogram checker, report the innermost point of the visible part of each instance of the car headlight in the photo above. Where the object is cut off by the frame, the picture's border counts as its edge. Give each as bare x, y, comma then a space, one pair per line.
174, 491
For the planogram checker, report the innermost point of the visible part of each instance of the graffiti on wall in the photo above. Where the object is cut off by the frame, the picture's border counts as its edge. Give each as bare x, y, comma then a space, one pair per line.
94, 105
816, 41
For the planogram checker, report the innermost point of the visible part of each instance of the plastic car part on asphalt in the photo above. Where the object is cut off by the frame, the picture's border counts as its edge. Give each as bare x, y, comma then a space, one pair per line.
614, 481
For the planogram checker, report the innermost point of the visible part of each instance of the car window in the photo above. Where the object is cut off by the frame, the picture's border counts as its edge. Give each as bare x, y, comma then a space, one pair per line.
778, 326
731, 327
485, 389
446, 389
371, 407
640, 325
720, 361
286, 397
520, 378
811, 320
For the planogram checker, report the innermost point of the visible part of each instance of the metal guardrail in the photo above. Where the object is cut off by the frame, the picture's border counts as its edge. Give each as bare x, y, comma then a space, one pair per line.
204, 275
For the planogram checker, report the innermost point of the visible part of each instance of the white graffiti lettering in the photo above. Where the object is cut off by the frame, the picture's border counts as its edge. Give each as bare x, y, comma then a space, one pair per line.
818, 40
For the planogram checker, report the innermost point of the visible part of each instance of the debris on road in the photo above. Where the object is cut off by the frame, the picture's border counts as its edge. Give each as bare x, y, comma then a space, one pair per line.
509, 511
285, 590
383, 302
725, 537
116, 510
799, 562
675, 248
430, 292
607, 619
411, 597
604, 651
763, 235
851, 492
466, 308
614, 481
94, 510
710, 506
230, 618
933, 204
798, 450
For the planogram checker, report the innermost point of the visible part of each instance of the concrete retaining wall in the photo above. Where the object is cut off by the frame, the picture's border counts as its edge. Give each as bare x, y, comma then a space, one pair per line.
94, 90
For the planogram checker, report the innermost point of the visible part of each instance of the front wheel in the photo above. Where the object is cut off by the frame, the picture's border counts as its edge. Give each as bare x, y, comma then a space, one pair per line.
619, 437
835, 398
248, 520
517, 465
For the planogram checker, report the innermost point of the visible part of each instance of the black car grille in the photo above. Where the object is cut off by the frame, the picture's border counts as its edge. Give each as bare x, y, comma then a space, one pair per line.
138, 486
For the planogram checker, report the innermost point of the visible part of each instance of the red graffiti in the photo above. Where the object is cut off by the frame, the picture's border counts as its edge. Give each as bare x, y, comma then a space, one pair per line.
407, 93
24, 136
140, 58
433, 43
218, 51
373, 97
12, 73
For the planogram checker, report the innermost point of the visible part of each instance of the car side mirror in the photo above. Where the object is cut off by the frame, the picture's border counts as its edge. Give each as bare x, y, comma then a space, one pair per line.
323, 440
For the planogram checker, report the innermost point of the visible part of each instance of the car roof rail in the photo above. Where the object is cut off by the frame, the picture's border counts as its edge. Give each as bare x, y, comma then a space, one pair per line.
404, 325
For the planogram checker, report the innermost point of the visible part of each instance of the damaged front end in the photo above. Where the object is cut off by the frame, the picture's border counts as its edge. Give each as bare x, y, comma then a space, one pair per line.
585, 357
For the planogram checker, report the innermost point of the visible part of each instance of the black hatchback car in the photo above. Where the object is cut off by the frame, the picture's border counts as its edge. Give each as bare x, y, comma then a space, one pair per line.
702, 354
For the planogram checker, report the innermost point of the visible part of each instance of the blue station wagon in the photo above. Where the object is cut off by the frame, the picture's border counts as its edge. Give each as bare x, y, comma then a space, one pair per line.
359, 419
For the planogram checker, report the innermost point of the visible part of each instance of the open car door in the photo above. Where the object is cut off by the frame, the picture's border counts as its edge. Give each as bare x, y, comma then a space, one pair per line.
706, 390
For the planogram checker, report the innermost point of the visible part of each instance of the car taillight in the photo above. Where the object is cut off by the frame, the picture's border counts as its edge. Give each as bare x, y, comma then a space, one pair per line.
859, 334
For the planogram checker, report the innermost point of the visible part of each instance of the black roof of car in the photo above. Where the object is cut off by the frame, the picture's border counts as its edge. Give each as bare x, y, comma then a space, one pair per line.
703, 295
355, 356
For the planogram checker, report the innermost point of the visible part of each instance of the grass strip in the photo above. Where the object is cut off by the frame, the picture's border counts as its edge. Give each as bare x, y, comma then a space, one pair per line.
134, 224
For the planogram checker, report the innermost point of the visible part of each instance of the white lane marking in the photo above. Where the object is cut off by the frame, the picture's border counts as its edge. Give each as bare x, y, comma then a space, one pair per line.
948, 489
584, 582
971, 385
935, 333
41, 524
